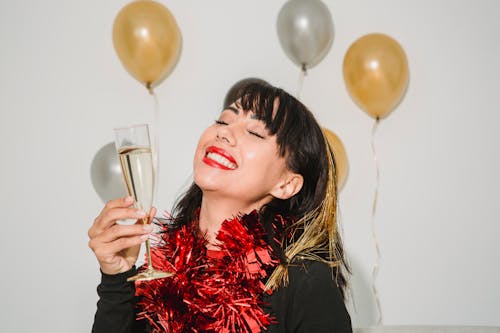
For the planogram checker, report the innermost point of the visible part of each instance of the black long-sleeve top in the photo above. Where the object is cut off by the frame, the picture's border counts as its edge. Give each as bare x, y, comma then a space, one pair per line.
311, 302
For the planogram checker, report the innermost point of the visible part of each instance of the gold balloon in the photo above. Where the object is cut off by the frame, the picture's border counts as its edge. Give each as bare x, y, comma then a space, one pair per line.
340, 156
376, 73
147, 41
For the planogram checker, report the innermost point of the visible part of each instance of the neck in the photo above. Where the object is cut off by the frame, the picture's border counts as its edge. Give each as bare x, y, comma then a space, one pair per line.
215, 210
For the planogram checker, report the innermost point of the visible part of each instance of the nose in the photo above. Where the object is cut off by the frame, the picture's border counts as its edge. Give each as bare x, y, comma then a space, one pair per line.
226, 134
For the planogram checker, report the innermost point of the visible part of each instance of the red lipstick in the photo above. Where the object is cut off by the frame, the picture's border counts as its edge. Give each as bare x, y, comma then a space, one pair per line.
222, 152
217, 164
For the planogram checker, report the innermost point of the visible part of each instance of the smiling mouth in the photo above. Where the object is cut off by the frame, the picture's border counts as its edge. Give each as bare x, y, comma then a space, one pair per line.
220, 159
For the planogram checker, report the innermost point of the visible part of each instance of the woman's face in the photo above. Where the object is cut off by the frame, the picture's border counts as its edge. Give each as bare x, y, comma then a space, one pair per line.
237, 158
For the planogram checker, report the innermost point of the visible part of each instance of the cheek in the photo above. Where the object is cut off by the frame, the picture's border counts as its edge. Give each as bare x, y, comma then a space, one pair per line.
252, 156
267, 163
259, 152
204, 135
269, 157
200, 148
196, 155
198, 158
276, 164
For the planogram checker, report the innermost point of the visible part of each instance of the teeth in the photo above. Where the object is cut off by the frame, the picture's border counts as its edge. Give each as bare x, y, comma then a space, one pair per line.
221, 160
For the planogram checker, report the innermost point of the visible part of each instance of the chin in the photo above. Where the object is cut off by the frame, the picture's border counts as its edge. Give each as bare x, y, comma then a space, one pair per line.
205, 183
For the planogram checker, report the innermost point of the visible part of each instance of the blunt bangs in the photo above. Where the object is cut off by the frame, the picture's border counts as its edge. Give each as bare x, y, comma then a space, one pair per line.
261, 99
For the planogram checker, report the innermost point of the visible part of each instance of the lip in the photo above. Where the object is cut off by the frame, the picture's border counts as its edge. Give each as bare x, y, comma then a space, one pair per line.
222, 152
219, 151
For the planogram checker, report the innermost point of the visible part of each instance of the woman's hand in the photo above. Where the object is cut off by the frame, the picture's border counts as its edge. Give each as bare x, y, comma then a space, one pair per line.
117, 246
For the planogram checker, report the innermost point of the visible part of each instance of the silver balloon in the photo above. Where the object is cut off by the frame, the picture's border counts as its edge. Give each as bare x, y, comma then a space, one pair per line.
305, 31
106, 174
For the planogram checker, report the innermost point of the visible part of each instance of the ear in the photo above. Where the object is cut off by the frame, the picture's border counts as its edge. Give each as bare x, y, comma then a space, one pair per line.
291, 185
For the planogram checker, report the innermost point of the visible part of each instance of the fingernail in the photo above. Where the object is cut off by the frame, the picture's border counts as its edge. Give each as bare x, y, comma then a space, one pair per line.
147, 227
140, 213
128, 199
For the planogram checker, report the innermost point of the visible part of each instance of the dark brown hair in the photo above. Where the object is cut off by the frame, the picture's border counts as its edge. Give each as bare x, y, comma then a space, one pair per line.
300, 140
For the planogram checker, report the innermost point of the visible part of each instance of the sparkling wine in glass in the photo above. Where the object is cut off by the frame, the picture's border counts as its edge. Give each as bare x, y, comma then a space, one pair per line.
134, 152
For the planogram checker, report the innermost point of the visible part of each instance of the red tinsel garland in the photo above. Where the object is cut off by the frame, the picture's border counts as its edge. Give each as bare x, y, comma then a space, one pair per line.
211, 291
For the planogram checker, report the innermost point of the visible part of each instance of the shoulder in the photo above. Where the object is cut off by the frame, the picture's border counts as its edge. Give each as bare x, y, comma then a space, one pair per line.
312, 301
304, 271
308, 279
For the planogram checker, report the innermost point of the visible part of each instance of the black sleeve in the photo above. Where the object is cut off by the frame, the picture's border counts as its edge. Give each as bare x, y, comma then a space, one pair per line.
116, 306
311, 302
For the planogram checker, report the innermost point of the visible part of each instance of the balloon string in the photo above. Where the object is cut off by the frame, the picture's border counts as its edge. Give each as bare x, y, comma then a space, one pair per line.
302, 74
374, 235
156, 143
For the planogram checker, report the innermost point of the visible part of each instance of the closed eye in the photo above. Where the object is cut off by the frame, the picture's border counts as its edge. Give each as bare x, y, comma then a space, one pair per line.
256, 134
220, 122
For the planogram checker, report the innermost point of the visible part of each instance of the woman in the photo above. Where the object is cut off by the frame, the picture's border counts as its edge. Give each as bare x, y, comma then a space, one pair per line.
253, 242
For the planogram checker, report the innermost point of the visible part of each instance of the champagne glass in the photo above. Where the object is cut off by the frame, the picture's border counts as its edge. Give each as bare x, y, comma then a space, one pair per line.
134, 152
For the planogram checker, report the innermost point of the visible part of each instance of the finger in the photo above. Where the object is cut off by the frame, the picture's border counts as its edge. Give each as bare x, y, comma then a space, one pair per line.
122, 231
120, 202
152, 213
109, 250
150, 218
109, 217
100, 243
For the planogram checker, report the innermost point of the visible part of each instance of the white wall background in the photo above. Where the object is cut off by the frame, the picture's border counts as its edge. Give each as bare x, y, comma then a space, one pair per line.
62, 90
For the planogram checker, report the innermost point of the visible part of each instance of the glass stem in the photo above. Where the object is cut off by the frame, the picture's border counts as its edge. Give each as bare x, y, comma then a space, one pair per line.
148, 248
148, 254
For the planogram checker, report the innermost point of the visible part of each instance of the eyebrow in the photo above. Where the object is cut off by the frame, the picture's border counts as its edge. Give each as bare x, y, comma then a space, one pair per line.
236, 111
